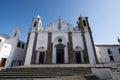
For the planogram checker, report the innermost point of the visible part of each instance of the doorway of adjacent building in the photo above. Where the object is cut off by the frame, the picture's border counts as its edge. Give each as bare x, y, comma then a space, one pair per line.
60, 54
3, 61
78, 57
41, 57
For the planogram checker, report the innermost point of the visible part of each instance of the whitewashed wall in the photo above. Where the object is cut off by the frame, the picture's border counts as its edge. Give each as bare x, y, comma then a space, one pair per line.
2, 39
90, 49
42, 40
29, 50
18, 54
102, 52
77, 40
64, 37
5, 50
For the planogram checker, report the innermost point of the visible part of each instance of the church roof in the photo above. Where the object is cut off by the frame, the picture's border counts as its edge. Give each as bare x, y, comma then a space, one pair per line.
5, 36
107, 45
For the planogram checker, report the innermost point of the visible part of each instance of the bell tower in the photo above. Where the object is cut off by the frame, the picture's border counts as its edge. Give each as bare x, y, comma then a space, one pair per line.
36, 24
89, 49
16, 32
30, 51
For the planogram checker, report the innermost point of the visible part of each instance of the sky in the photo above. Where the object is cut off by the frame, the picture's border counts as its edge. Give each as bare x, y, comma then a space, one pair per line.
103, 16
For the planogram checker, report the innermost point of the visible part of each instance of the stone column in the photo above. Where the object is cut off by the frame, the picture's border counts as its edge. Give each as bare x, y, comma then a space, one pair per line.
70, 49
34, 51
85, 51
49, 49
26, 48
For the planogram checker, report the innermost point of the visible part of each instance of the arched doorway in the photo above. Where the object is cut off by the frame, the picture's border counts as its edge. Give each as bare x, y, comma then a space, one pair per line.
60, 53
78, 55
41, 57
41, 54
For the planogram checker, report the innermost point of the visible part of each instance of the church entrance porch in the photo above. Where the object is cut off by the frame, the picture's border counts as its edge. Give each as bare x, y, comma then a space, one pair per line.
78, 56
60, 54
41, 57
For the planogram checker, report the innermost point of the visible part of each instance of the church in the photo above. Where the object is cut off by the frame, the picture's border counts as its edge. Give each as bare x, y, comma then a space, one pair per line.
57, 43
60, 43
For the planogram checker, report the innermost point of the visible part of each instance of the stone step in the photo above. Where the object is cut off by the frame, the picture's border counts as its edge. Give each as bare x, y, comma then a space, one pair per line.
15, 77
42, 72
78, 77
45, 70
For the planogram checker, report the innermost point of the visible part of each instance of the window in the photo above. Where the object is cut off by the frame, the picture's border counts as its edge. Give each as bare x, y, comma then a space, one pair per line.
0, 40
119, 50
18, 45
15, 34
111, 58
84, 23
22, 46
59, 40
59, 25
109, 52
35, 24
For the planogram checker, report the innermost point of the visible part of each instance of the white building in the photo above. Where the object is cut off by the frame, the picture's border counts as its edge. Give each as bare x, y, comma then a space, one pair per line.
11, 49
60, 43
108, 53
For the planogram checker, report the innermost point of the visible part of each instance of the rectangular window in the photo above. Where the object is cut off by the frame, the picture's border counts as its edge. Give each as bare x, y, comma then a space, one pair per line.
18, 45
0, 40
109, 52
23, 46
119, 50
111, 58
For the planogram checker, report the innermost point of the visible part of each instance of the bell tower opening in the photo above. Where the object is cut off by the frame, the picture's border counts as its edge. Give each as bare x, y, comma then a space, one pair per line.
35, 24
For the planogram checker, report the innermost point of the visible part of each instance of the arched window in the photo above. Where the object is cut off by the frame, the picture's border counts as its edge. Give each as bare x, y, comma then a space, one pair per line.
35, 24
84, 23
59, 25
15, 34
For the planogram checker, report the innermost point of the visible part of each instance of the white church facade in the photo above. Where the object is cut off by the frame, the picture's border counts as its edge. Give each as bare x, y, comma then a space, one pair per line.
60, 43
